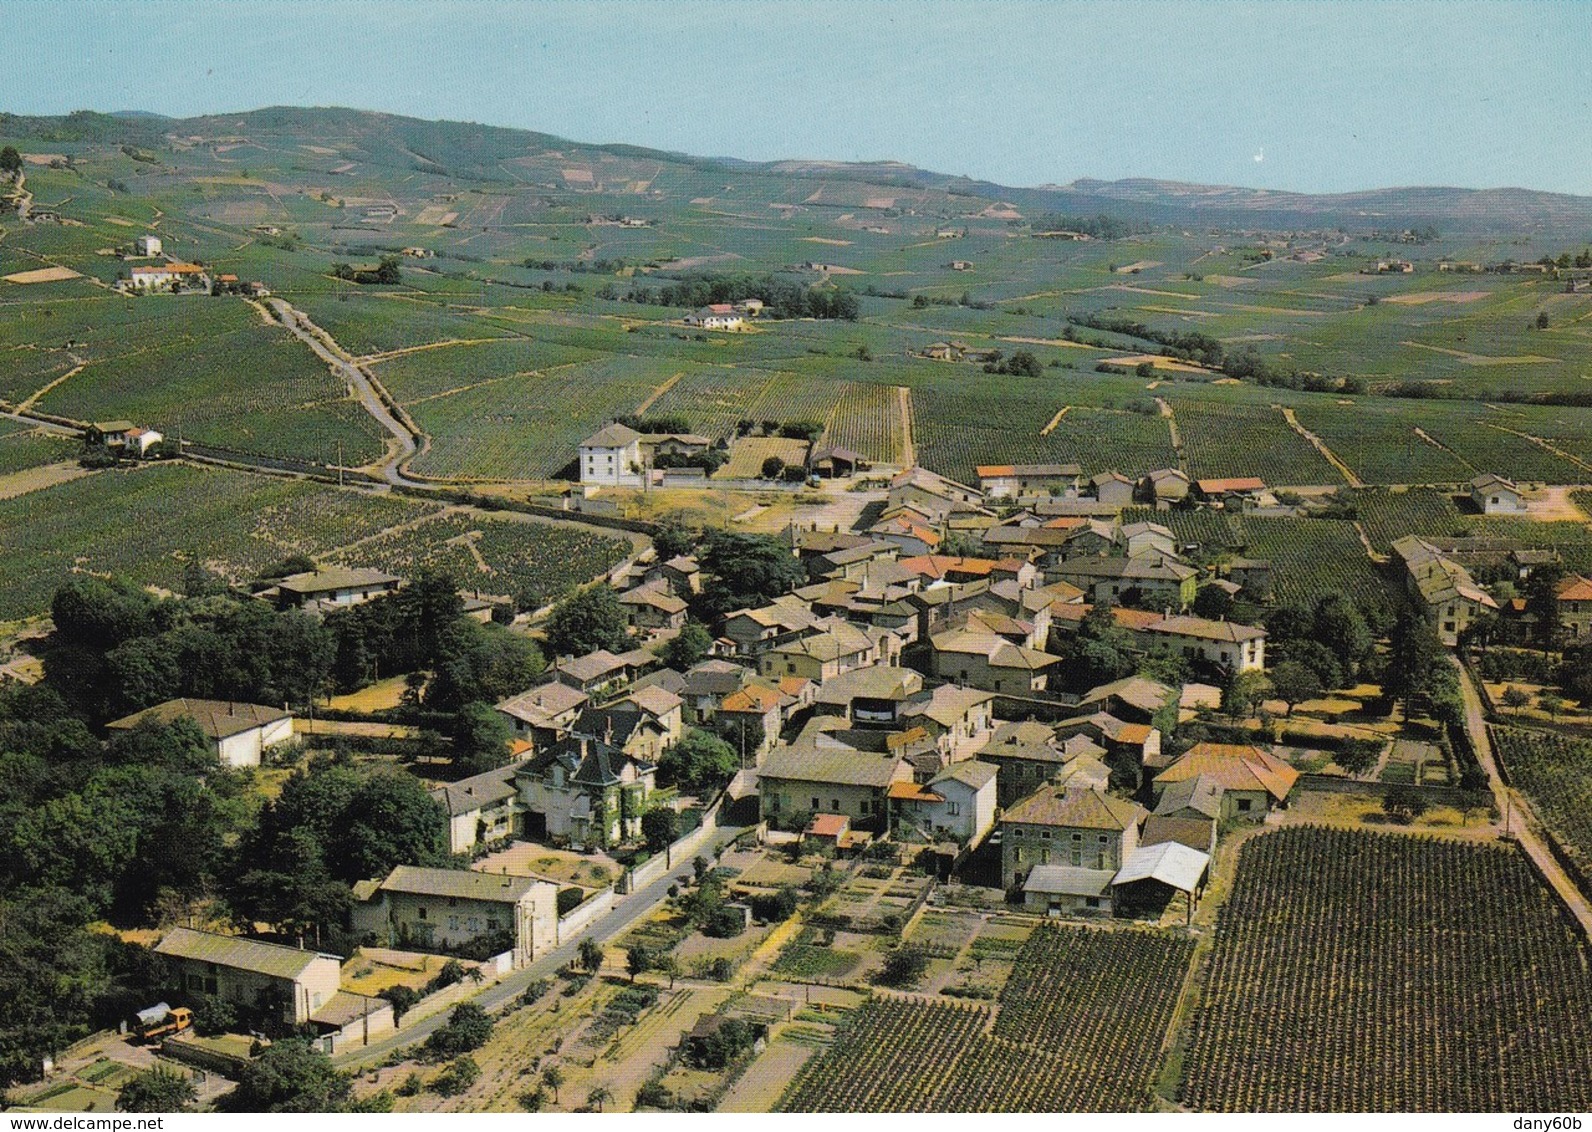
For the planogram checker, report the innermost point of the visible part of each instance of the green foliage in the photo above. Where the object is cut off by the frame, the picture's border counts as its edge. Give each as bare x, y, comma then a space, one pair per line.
700, 763
588, 620
904, 966
480, 739
688, 647
467, 1029
290, 1076
458, 1076
745, 570
658, 828
157, 1090
402, 999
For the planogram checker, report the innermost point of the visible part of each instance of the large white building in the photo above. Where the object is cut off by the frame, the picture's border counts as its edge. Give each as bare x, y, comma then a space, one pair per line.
238, 733
612, 457
147, 245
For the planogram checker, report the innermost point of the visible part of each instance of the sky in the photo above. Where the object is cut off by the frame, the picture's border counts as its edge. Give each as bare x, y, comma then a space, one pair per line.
1302, 95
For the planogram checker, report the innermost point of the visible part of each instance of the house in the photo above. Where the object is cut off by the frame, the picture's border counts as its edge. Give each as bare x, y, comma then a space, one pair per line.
170, 277
1136, 699
656, 444
1494, 495
1027, 755
957, 804
1127, 744
583, 790
147, 245
1573, 596
425, 908
682, 573
1166, 485
653, 606
1005, 481
931, 492
1253, 574
706, 685
544, 713
834, 830
335, 587
1154, 874
835, 462
875, 696
909, 529
753, 717
250, 972
1441, 587
612, 457
1234, 491
1112, 488
953, 717
237, 734
831, 768
840, 647
601, 669
980, 659
481, 809
1059, 826
1044, 546
716, 316
629, 730
1229, 646
753, 631
1156, 579
1139, 539
661, 704
1253, 781
143, 439
1061, 890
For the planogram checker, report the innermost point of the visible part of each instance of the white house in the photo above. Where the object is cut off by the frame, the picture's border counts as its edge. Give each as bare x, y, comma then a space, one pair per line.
243, 970
716, 316
238, 734
612, 457
1494, 495
425, 908
147, 245
1226, 644
958, 803
143, 439
168, 276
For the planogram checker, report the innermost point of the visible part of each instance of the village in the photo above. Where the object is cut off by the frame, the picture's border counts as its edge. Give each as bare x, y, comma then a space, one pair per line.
1071, 717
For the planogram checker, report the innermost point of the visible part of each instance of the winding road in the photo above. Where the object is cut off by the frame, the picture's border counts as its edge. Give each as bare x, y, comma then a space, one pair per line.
407, 440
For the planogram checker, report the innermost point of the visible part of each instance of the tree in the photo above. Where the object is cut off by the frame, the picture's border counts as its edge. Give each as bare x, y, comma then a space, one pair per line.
553, 1077
599, 1096
480, 739
1551, 702
638, 959
687, 647
700, 762
588, 620
1292, 683
1403, 804
290, 1076
667, 964
1515, 698
157, 1090
1542, 320
904, 966
1243, 692
1338, 624
402, 999
467, 1029
745, 570
1413, 649
1542, 600
1213, 602
658, 828
773, 466
459, 1075
591, 955
10, 160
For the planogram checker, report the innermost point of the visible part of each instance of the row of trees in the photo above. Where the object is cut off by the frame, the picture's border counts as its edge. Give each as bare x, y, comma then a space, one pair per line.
781, 298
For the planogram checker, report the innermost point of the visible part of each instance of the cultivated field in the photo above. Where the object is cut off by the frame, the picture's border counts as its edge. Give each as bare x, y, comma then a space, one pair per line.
1385, 972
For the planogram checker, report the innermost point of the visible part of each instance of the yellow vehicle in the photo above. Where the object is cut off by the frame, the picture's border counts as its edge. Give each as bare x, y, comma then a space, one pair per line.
160, 1021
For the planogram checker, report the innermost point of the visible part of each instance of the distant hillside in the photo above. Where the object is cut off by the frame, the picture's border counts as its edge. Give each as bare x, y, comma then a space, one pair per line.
471, 151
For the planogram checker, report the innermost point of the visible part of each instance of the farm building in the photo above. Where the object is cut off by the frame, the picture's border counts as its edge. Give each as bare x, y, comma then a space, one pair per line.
238, 734
1083, 828
612, 457
981, 659
834, 462
424, 908
1153, 875
481, 809
250, 972
169, 277
147, 245
1166, 485
1140, 539
1136, 699
1152, 577
1227, 645
1061, 890
832, 769
1574, 599
1442, 587
821, 656
957, 804
1494, 495
716, 316
1112, 488
1253, 781
653, 606
333, 588
1231, 492
1003, 481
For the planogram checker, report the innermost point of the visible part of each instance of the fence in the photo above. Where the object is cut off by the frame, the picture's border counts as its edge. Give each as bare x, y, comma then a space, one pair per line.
579, 918
682, 849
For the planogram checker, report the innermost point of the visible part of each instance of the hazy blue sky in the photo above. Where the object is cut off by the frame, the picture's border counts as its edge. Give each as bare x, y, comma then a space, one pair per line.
1316, 96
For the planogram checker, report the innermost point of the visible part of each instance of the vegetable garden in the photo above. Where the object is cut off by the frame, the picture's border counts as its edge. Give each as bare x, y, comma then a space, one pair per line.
1357, 971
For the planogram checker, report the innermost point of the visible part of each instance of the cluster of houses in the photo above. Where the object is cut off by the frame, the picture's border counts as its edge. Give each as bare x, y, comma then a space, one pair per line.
617, 455
725, 316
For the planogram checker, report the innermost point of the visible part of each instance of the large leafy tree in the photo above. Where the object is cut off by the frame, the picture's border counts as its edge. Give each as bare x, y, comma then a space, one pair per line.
587, 620
291, 1076
745, 570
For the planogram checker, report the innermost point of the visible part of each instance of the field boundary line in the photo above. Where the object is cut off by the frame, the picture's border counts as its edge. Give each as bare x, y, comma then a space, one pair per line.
1054, 421
37, 396
1320, 446
1441, 447
1539, 441
653, 397
909, 451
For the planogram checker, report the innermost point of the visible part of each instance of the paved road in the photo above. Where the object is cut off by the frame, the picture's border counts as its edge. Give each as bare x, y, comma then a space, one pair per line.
311, 335
626, 911
1524, 824
46, 426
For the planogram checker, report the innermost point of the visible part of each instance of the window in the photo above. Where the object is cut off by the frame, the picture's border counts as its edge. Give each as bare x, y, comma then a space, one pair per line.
1077, 837
816, 804
1077, 856
953, 808
1044, 835
1091, 902
1244, 805
453, 923
834, 804
420, 913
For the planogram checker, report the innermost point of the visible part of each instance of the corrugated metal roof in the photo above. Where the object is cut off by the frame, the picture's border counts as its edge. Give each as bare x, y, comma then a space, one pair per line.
1169, 862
